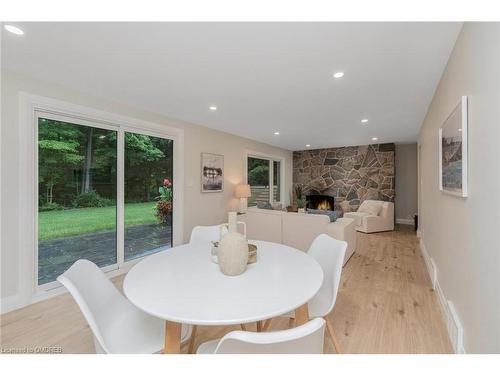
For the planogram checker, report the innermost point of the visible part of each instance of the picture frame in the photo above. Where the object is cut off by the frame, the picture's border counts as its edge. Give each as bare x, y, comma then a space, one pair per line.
212, 173
453, 160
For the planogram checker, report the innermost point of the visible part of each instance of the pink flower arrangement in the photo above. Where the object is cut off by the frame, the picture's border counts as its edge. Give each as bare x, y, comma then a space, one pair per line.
163, 207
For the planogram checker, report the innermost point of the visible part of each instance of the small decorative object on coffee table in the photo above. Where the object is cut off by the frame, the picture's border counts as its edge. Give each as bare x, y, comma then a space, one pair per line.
215, 247
252, 253
232, 252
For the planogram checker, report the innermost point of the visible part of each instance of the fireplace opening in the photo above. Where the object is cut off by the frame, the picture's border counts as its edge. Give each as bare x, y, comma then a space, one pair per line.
320, 202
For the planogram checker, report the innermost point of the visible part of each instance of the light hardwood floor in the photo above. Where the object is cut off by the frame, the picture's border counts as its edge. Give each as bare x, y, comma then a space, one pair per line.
385, 305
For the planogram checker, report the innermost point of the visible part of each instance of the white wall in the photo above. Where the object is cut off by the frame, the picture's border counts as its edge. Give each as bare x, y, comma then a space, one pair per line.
461, 235
406, 183
199, 209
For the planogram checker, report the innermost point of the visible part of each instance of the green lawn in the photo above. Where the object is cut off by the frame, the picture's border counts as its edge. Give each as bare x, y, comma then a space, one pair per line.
67, 223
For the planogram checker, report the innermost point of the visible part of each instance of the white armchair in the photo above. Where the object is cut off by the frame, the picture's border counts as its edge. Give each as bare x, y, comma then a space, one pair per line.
373, 216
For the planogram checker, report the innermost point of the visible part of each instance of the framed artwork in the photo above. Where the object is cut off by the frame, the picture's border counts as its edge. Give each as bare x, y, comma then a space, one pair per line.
453, 151
212, 173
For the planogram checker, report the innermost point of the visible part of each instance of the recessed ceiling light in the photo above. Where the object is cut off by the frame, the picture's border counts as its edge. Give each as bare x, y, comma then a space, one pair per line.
460, 129
213, 108
364, 121
308, 145
338, 75
14, 30
374, 139
276, 133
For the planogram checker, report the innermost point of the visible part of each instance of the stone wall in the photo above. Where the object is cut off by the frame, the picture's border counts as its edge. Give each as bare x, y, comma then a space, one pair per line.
350, 174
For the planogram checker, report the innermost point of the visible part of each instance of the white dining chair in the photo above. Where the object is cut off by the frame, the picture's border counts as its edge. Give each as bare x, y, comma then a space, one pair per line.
329, 253
117, 325
305, 339
206, 234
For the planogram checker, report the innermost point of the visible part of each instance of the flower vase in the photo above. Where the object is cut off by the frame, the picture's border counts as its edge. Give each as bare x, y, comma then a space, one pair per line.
233, 249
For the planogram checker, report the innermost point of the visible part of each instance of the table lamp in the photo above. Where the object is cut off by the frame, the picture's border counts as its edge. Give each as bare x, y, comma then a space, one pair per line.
243, 192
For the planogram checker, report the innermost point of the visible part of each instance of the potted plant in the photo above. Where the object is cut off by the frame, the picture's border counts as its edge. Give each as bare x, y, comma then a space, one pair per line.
163, 208
299, 198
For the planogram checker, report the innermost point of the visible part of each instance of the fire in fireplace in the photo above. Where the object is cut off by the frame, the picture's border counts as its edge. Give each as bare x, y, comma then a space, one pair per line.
320, 202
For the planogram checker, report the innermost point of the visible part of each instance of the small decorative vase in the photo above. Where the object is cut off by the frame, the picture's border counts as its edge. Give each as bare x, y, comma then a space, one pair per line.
232, 252
213, 253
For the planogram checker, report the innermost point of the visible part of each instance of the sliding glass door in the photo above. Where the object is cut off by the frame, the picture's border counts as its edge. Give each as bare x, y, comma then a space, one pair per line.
148, 216
77, 196
82, 168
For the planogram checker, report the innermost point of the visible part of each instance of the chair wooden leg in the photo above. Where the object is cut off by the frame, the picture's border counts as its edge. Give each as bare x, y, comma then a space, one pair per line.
301, 315
191, 340
259, 326
243, 327
335, 342
266, 325
291, 323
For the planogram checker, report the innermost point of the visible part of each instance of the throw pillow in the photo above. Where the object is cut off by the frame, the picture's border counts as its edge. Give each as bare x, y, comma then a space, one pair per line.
277, 206
333, 215
264, 205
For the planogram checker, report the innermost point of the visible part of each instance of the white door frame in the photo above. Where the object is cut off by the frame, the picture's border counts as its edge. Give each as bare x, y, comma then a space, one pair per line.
29, 108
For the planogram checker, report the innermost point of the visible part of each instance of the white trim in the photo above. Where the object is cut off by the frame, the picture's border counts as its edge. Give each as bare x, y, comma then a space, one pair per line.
429, 263
10, 303
120, 198
450, 315
28, 106
271, 158
405, 221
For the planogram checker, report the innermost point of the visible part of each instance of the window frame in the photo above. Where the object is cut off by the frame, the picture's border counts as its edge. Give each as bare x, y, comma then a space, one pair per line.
31, 107
271, 159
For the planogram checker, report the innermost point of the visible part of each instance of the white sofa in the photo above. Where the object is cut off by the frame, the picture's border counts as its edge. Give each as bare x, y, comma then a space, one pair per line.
297, 230
373, 216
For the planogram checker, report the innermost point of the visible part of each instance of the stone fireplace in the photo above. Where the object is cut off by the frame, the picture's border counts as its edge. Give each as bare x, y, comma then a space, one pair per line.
348, 175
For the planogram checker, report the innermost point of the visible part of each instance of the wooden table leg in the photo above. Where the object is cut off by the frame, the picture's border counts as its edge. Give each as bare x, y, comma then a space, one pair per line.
259, 326
301, 315
172, 338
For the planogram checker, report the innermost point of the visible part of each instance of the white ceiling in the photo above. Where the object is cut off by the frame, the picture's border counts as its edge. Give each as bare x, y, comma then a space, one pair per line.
262, 77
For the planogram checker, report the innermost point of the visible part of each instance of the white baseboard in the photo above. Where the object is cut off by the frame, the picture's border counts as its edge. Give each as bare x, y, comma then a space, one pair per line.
451, 318
405, 221
10, 303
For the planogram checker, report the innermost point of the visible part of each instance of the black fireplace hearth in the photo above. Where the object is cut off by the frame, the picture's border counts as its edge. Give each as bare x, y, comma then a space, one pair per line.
320, 202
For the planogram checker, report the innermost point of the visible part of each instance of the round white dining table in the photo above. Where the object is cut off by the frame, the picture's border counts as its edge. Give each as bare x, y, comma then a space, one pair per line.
183, 285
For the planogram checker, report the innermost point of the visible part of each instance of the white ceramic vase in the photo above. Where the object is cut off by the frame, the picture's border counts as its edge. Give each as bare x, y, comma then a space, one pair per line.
233, 250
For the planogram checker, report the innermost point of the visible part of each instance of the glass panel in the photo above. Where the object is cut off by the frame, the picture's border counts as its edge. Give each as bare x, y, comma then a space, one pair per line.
276, 181
148, 194
77, 196
258, 179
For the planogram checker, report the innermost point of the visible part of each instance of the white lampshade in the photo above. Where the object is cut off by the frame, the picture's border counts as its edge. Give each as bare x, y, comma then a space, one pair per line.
242, 191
